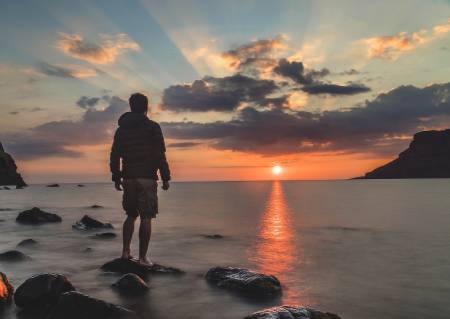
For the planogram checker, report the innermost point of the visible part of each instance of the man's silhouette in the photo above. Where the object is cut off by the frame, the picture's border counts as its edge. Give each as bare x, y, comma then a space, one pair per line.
139, 142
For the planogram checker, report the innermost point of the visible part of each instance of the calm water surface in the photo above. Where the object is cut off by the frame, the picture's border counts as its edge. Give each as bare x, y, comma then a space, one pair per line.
361, 249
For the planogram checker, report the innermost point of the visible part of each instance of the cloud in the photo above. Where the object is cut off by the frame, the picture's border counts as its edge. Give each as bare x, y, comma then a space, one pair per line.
64, 71
86, 102
216, 94
183, 145
105, 52
376, 126
335, 89
391, 47
23, 109
296, 71
56, 138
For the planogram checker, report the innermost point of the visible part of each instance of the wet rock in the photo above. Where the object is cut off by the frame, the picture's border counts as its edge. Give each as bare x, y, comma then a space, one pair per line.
36, 216
88, 222
8, 170
80, 185
244, 281
41, 292
19, 186
95, 206
75, 305
53, 185
131, 284
291, 312
6, 188
6, 290
125, 266
13, 256
213, 236
27, 243
104, 236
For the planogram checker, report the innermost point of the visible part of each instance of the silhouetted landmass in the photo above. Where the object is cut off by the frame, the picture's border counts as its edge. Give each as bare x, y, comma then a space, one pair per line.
428, 156
8, 170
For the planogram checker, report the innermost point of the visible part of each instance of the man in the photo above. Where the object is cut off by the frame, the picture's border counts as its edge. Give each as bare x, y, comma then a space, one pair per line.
139, 143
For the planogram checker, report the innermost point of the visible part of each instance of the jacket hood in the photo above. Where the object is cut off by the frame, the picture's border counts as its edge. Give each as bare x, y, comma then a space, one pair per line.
131, 119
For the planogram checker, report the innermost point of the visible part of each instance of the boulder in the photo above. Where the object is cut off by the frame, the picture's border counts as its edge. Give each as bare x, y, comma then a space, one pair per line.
36, 216
80, 185
6, 290
104, 236
291, 312
95, 206
53, 185
8, 170
244, 281
13, 256
75, 305
88, 222
27, 242
131, 284
6, 188
125, 266
41, 292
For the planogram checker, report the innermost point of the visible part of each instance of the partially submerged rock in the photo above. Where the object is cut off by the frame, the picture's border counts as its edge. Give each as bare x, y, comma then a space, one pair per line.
125, 266
95, 206
6, 188
88, 222
27, 242
80, 185
244, 281
41, 292
6, 290
131, 284
291, 312
53, 185
13, 256
212, 236
107, 235
36, 216
75, 305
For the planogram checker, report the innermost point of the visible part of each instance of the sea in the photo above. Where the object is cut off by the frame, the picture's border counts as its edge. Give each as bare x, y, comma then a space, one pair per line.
359, 248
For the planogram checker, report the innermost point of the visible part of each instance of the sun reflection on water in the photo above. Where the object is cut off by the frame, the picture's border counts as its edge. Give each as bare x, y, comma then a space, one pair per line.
275, 251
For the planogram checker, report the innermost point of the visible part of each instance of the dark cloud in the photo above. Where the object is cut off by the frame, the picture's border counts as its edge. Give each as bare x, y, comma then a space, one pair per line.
296, 71
183, 145
349, 72
86, 102
374, 126
335, 89
216, 94
23, 109
56, 138
72, 72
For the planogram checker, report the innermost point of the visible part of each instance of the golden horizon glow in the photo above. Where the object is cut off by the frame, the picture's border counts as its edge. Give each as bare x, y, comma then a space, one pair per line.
277, 170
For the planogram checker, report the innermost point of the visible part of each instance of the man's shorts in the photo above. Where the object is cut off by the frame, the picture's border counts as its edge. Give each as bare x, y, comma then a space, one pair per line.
140, 197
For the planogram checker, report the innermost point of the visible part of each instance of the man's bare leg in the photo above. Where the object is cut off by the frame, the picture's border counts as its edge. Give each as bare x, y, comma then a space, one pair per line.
145, 232
128, 229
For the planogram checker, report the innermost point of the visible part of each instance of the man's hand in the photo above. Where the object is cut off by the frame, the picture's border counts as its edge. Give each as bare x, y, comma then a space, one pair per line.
118, 184
165, 185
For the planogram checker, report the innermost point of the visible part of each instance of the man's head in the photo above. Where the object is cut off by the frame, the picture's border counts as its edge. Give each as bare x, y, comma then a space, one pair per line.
138, 103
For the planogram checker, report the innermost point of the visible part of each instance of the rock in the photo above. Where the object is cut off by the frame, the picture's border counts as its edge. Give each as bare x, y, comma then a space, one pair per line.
95, 206
80, 185
8, 170
104, 236
6, 290
41, 292
6, 188
125, 266
244, 281
75, 305
88, 222
214, 236
131, 284
19, 187
428, 156
53, 185
36, 216
291, 312
88, 250
27, 242
13, 256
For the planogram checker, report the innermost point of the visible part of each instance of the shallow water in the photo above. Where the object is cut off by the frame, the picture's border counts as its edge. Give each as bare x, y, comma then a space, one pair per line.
361, 249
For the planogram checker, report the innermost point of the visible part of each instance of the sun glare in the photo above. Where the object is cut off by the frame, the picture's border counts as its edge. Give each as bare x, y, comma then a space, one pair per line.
276, 170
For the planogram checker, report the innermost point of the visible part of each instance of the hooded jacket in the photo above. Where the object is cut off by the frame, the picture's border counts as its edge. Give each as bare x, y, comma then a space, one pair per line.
139, 142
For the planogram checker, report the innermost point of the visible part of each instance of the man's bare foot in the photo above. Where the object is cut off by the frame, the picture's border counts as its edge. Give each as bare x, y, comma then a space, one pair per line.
126, 255
145, 262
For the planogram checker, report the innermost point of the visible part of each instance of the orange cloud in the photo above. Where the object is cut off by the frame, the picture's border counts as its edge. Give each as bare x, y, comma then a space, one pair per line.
106, 52
392, 46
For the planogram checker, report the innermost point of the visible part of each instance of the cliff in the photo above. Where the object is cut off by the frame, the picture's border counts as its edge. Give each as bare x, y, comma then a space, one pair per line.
8, 170
428, 156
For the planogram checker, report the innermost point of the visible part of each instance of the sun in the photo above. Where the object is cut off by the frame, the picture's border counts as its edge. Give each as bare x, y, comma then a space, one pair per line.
277, 170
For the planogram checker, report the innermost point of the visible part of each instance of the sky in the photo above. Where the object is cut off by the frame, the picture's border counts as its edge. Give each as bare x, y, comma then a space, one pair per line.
324, 89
